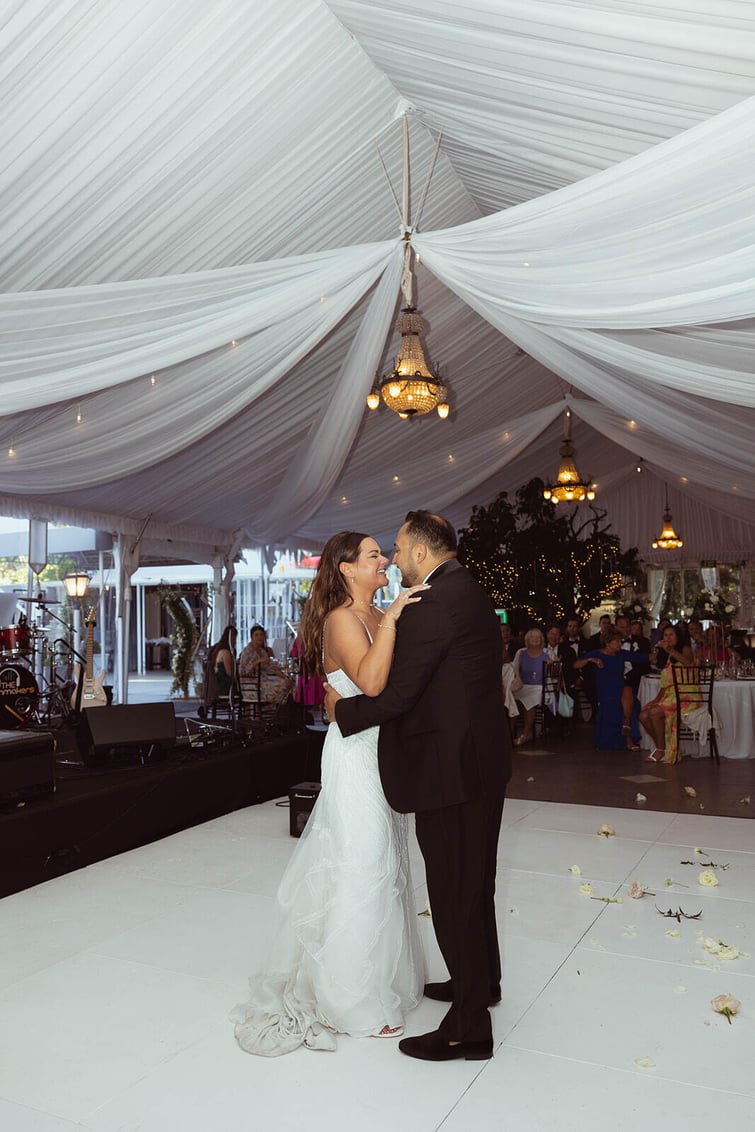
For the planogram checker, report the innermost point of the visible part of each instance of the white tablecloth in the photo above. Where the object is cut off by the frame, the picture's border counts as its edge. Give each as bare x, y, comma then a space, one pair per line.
734, 705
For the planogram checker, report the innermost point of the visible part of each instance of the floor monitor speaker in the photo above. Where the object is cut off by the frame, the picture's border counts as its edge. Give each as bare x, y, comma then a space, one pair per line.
302, 798
135, 728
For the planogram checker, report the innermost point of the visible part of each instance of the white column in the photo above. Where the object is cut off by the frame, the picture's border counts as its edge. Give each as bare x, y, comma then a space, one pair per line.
140, 642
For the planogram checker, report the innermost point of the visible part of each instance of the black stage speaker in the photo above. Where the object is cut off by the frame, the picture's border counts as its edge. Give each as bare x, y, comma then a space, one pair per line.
27, 765
144, 729
302, 798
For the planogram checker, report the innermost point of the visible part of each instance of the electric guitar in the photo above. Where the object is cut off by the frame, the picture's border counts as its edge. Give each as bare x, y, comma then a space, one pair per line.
92, 691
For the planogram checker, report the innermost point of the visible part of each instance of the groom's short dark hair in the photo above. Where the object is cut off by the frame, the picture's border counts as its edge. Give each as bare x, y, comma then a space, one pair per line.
435, 532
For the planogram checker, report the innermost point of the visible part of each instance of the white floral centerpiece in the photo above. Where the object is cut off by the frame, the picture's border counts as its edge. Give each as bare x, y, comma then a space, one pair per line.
636, 609
718, 606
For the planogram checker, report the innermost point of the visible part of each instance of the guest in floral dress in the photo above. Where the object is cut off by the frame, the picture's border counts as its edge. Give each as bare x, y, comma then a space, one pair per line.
275, 685
658, 717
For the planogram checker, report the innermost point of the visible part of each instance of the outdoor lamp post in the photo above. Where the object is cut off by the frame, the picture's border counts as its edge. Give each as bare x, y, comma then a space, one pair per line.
76, 588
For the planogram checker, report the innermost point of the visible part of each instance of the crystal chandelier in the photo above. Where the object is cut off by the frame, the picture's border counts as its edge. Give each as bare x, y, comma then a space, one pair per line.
411, 390
568, 488
668, 539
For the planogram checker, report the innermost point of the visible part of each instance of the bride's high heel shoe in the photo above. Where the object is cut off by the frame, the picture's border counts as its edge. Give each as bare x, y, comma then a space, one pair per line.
389, 1032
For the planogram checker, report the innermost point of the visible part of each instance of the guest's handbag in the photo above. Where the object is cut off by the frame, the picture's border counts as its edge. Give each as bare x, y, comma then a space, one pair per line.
565, 705
516, 682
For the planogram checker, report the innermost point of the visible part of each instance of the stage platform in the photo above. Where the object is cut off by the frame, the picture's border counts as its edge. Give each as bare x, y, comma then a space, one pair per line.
99, 811
131, 797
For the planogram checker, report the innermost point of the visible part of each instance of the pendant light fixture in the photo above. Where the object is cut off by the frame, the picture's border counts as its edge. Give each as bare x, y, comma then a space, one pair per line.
568, 488
668, 539
411, 389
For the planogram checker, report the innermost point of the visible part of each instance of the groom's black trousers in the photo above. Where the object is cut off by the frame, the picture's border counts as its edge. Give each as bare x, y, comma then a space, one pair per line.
460, 846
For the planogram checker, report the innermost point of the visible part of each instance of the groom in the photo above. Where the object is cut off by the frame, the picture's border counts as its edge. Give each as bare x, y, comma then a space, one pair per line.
445, 754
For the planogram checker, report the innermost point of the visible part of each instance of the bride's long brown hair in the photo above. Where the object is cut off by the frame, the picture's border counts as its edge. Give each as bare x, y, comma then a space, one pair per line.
329, 590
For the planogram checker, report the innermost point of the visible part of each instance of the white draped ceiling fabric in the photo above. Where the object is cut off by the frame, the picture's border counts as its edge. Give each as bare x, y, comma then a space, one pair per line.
201, 262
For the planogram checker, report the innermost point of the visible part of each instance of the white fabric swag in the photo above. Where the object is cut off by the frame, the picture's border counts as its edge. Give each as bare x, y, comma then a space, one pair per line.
634, 285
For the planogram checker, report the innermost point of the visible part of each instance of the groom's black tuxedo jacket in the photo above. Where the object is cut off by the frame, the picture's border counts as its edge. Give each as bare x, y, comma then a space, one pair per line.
444, 738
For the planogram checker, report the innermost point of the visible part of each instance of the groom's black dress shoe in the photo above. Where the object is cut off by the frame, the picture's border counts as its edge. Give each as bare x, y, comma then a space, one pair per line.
435, 1047
444, 992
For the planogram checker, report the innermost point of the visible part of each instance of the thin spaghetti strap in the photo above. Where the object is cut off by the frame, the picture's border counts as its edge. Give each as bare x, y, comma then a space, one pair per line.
367, 631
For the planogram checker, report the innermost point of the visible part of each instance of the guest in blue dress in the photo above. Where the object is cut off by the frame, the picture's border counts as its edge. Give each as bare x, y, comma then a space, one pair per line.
609, 664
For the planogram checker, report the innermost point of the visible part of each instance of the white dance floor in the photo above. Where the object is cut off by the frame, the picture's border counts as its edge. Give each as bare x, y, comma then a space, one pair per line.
117, 981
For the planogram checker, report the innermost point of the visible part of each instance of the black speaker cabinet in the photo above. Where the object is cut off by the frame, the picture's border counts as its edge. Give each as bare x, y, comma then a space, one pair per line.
302, 798
142, 729
27, 765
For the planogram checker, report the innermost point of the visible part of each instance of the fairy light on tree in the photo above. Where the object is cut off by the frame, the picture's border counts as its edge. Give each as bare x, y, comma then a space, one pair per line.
541, 563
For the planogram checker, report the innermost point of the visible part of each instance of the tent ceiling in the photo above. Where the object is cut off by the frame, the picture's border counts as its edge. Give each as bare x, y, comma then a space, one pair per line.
161, 138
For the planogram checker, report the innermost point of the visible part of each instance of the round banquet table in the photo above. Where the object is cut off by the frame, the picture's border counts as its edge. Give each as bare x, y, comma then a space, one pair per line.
734, 706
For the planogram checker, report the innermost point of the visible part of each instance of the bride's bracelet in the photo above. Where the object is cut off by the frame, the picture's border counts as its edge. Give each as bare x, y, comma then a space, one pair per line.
387, 625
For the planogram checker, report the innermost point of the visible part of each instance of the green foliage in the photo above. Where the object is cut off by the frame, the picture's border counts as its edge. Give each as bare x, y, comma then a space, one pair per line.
15, 570
184, 637
542, 562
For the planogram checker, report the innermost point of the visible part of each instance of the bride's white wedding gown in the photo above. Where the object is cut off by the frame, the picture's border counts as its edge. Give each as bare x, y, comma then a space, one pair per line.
345, 955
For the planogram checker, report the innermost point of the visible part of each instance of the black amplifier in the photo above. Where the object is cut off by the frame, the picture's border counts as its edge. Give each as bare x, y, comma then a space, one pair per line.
302, 798
27, 765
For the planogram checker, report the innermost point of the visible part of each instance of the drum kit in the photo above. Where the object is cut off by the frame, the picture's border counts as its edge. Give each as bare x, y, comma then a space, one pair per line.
32, 688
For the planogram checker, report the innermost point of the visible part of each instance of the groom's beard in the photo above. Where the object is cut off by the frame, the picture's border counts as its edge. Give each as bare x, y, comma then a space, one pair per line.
407, 580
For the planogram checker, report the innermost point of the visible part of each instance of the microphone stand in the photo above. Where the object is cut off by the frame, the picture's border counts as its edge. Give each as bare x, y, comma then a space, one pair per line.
76, 705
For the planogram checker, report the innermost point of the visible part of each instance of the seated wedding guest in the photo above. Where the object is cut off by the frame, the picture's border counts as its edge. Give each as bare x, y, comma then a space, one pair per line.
640, 643
715, 649
682, 632
658, 656
622, 623
509, 643
220, 667
696, 638
633, 641
658, 717
573, 636
528, 666
596, 641
508, 648
658, 632
275, 685
573, 646
223, 656
608, 662
553, 641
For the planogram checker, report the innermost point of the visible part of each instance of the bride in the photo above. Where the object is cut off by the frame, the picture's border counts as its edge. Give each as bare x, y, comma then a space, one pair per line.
345, 955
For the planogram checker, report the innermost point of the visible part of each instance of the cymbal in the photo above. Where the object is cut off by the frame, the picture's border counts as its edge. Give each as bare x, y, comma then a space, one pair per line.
38, 601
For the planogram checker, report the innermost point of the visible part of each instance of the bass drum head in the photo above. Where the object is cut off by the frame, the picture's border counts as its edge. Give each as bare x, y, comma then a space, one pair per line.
19, 696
